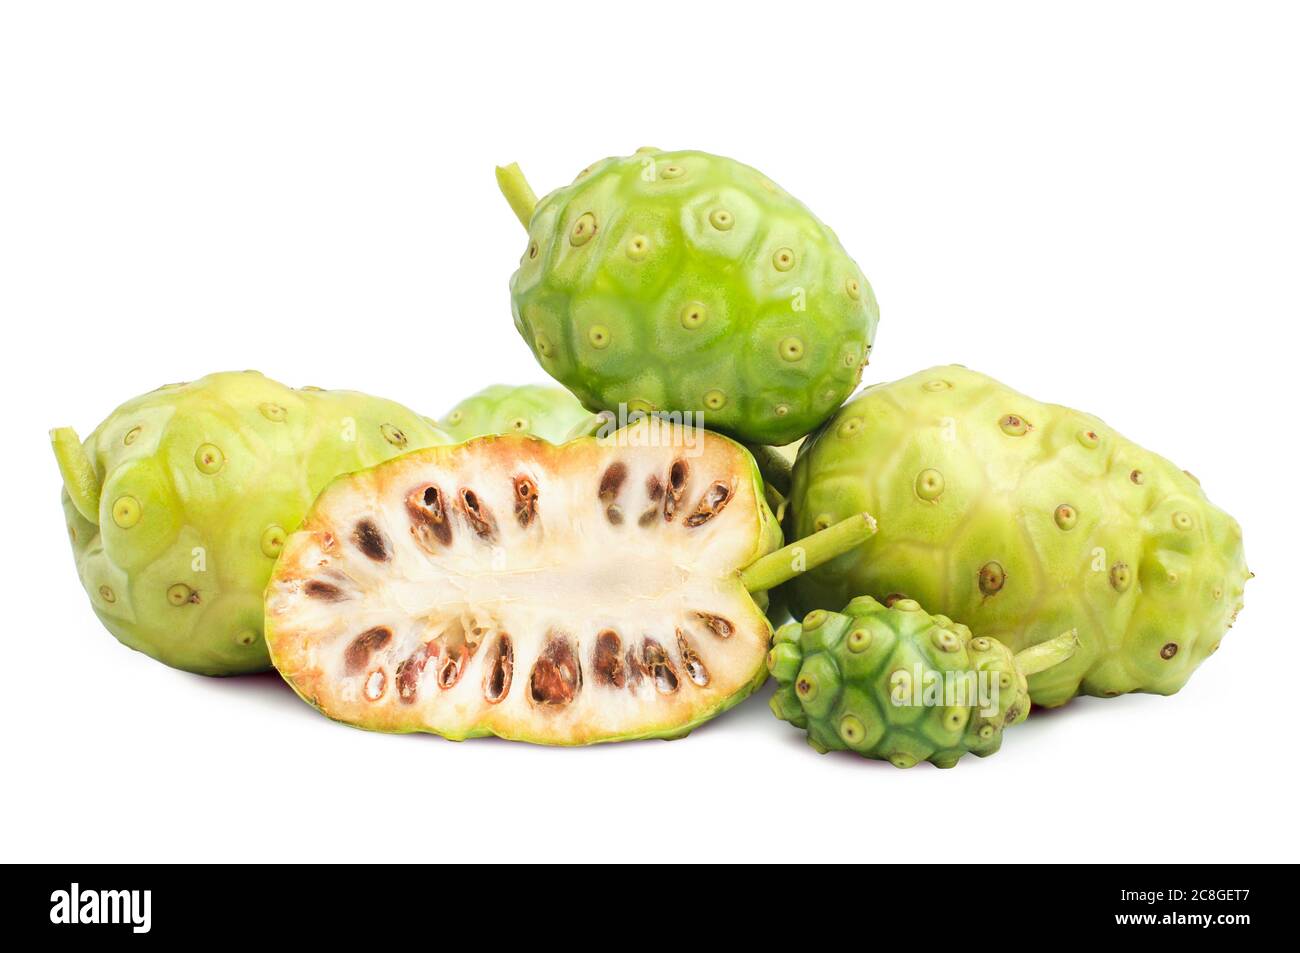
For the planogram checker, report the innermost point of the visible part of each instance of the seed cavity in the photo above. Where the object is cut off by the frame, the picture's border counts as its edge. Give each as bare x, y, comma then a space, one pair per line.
324, 591
607, 662
356, 658
678, 474
453, 667
376, 682
477, 515
716, 624
636, 668
427, 509
992, 577
372, 541
500, 670
691, 661
556, 675
659, 667
409, 671
1169, 650
715, 498
525, 501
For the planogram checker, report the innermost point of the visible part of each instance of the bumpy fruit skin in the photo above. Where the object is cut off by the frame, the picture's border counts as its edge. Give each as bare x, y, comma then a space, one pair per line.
683, 281
1023, 519
551, 413
201, 485
843, 675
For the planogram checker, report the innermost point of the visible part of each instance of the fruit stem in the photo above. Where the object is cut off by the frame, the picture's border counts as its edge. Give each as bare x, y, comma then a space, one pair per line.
78, 473
774, 467
808, 553
1040, 657
520, 195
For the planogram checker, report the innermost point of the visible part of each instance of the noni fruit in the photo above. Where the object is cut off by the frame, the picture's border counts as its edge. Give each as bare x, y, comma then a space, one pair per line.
179, 503
551, 413
599, 590
687, 282
1023, 519
899, 685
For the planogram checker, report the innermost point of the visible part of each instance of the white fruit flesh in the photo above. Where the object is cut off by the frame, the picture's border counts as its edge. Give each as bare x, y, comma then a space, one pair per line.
563, 595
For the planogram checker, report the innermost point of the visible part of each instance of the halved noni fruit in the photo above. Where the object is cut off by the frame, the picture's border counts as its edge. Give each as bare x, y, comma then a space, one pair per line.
600, 590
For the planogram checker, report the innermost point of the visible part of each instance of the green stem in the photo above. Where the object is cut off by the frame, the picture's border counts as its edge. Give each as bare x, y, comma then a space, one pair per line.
520, 195
1040, 657
774, 466
78, 472
808, 553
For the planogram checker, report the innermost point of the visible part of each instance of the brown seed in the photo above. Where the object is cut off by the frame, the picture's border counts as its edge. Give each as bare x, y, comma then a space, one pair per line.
711, 503
499, 671
359, 650
427, 509
477, 515
370, 539
611, 481
409, 671
608, 661
719, 626
691, 661
677, 476
660, 667
556, 675
525, 501
325, 591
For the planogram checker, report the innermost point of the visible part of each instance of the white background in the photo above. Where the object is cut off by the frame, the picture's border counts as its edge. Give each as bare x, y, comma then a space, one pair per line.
1099, 207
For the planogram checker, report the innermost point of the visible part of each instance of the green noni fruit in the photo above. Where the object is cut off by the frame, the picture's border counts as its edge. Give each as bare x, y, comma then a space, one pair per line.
899, 685
179, 503
1023, 519
687, 282
551, 413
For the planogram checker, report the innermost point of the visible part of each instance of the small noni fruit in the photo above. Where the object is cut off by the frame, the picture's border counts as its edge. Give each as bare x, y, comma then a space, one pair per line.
899, 685
599, 590
179, 503
687, 282
551, 413
1023, 519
